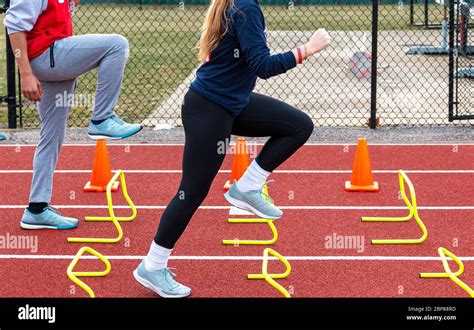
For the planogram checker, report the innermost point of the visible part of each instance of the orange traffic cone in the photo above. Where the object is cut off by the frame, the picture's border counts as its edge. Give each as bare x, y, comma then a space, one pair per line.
101, 172
239, 163
361, 179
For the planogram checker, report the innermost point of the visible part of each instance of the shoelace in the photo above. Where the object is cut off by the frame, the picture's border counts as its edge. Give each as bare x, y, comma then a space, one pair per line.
170, 271
266, 196
170, 277
117, 119
53, 209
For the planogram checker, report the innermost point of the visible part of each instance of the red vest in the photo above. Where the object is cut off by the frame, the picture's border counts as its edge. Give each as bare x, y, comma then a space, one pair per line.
53, 24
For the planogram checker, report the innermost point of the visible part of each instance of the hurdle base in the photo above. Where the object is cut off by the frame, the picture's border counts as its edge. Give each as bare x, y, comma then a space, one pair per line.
426, 50
91, 188
353, 188
465, 73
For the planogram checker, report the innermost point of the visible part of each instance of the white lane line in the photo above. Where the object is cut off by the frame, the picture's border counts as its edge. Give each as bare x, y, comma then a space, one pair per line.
234, 211
239, 258
288, 207
277, 171
259, 144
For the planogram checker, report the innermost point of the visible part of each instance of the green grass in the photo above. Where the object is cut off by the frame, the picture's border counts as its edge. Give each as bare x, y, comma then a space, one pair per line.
162, 40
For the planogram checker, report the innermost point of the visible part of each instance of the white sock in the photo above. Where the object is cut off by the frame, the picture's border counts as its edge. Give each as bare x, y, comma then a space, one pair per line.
157, 257
253, 178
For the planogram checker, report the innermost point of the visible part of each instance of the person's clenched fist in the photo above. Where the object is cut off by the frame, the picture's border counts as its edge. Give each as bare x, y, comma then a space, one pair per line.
318, 42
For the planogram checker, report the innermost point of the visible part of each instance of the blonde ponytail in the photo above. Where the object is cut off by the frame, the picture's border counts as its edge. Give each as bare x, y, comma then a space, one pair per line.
214, 28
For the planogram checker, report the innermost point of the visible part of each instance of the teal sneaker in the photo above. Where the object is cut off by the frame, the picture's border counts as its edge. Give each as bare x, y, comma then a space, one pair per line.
255, 201
161, 281
113, 128
50, 218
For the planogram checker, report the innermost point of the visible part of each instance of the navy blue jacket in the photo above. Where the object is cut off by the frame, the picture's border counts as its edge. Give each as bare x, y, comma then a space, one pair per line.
229, 77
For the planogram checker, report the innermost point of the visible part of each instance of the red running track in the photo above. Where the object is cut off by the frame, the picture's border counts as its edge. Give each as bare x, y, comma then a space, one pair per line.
433, 189
446, 200
313, 157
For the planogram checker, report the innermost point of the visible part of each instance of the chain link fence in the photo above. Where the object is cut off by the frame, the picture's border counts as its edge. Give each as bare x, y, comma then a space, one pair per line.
336, 88
463, 68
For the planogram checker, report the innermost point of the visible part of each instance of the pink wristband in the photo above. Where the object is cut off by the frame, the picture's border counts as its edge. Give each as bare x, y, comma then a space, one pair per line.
300, 56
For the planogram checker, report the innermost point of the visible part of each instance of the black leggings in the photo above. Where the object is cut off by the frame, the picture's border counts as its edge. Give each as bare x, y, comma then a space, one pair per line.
207, 126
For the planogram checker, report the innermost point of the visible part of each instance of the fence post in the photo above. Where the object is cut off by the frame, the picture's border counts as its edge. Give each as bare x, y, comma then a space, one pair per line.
426, 14
452, 52
373, 76
11, 80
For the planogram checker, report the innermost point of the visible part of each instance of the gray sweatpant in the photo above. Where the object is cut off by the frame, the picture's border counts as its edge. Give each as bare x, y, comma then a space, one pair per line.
73, 56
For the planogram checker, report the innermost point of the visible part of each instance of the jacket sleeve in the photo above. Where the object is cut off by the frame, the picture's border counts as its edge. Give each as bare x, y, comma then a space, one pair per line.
250, 29
23, 14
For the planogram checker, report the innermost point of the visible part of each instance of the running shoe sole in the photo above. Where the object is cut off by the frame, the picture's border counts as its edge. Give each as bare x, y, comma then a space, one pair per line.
31, 227
107, 137
149, 285
247, 207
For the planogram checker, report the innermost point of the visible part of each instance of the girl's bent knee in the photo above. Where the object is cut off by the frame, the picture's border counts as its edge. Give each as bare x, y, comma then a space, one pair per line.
120, 42
306, 127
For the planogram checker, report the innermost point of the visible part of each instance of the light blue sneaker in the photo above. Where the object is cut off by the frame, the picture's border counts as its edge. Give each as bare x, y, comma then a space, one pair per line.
113, 128
255, 201
161, 281
50, 218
